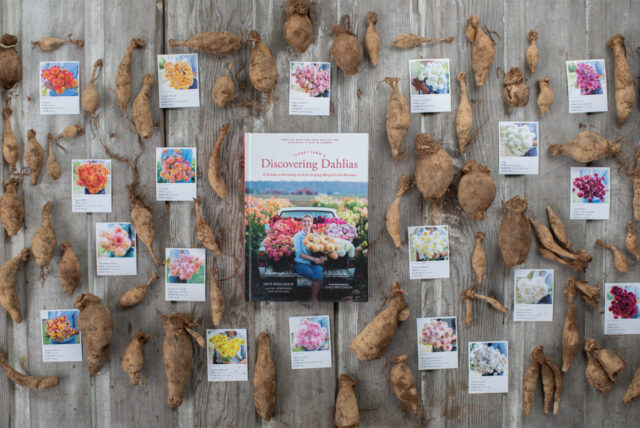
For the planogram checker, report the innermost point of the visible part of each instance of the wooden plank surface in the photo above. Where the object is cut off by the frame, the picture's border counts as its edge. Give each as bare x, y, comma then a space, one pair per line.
567, 30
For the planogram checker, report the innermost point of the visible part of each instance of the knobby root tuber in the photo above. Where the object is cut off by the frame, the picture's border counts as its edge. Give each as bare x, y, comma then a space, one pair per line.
11, 207
346, 49
123, 77
214, 174
464, 117
625, 92
633, 391
631, 240
69, 269
403, 384
483, 51
514, 232
52, 167
347, 413
434, 168
515, 92
479, 259
586, 147
545, 95
531, 54
546, 239
34, 156
203, 231
398, 118
90, 98
546, 376
529, 384
406, 41
8, 285
589, 293
393, 219
619, 260
264, 379
96, 326
142, 118
552, 382
476, 190
263, 72
223, 90
44, 242
30, 382
216, 298
612, 363
142, 221
558, 229
298, 28
71, 131
372, 341
468, 294
136, 294
10, 149
178, 354
372, 38
53, 43
221, 43
133, 357
10, 62
570, 335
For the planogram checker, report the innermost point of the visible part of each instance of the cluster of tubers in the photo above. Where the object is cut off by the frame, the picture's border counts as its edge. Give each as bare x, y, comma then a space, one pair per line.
570, 334
603, 366
544, 368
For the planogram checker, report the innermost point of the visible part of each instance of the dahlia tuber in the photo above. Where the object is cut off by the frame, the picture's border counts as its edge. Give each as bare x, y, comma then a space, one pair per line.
596, 376
10, 149
545, 97
347, 413
298, 28
476, 190
468, 294
483, 51
633, 391
514, 232
586, 147
71, 131
223, 90
406, 41
10, 62
570, 335
216, 298
631, 240
346, 49
11, 207
221, 43
619, 260
123, 77
34, 156
372, 341
530, 383
464, 117
547, 381
69, 269
96, 326
558, 229
625, 92
531, 54
25, 381
392, 217
214, 174
372, 38
203, 231
264, 379
44, 243
90, 98
545, 237
434, 168
515, 92
53, 43
612, 363
403, 384
479, 259
133, 357
136, 294
8, 285
263, 72
52, 167
142, 222
398, 118
142, 118
589, 293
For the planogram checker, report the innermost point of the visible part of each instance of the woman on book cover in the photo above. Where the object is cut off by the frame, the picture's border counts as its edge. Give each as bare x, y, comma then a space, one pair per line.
306, 264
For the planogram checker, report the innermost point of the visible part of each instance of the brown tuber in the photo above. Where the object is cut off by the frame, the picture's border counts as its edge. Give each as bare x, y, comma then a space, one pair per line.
133, 357
203, 231
34, 156
346, 49
216, 298
479, 259
214, 174
612, 363
515, 92
177, 353
434, 168
264, 379
631, 240
25, 381
221, 43
483, 51
123, 77
633, 391
347, 414
298, 28
398, 118
90, 98
464, 117
141, 111
530, 383
406, 41
514, 232
570, 335
10, 149
619, 260
545, 96
403, 384
476, 190
44, 243
372, 38
71, 131
136, 294
8, 283
552, 382
69, 269
223, 90
531, 54
468, 295
625, 92
558, 229
263, 72
10, 62
393, 219
372, 341
586, 147
142, 221
53, 43
11, 207
96, 326
52, 167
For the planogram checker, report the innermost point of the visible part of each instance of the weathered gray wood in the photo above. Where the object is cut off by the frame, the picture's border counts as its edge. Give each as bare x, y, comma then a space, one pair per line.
306, 397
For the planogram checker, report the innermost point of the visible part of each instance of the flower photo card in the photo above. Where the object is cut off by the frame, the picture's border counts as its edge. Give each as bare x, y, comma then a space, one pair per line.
176, 174
428, 252
533, 295
488, 367
519, 145
437, 343
91, 186
59, 87
590, 193
310, 340
185, 274
309, 88
227, 355
621, 309
61, 339
429, 85
587, 85
178, 81
116, 249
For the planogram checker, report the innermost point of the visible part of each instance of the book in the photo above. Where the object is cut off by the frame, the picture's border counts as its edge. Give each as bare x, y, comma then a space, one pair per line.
306, 217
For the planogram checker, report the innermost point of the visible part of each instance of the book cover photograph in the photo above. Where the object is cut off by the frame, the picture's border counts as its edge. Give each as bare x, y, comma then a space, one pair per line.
306, 217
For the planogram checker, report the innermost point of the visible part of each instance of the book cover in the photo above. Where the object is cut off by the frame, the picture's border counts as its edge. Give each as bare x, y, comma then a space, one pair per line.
306, 217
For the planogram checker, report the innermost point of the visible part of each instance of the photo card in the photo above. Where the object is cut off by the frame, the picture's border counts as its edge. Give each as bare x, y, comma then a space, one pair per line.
533, 294
178, 81
116, 249
488, 367
59, 87
310, 339
621, 315
176, 174
590, 193
61, 338
437, 343
185, 274
227, 355
519, 144
430, 85
309, 88
587, 85
428, 252
91, 186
